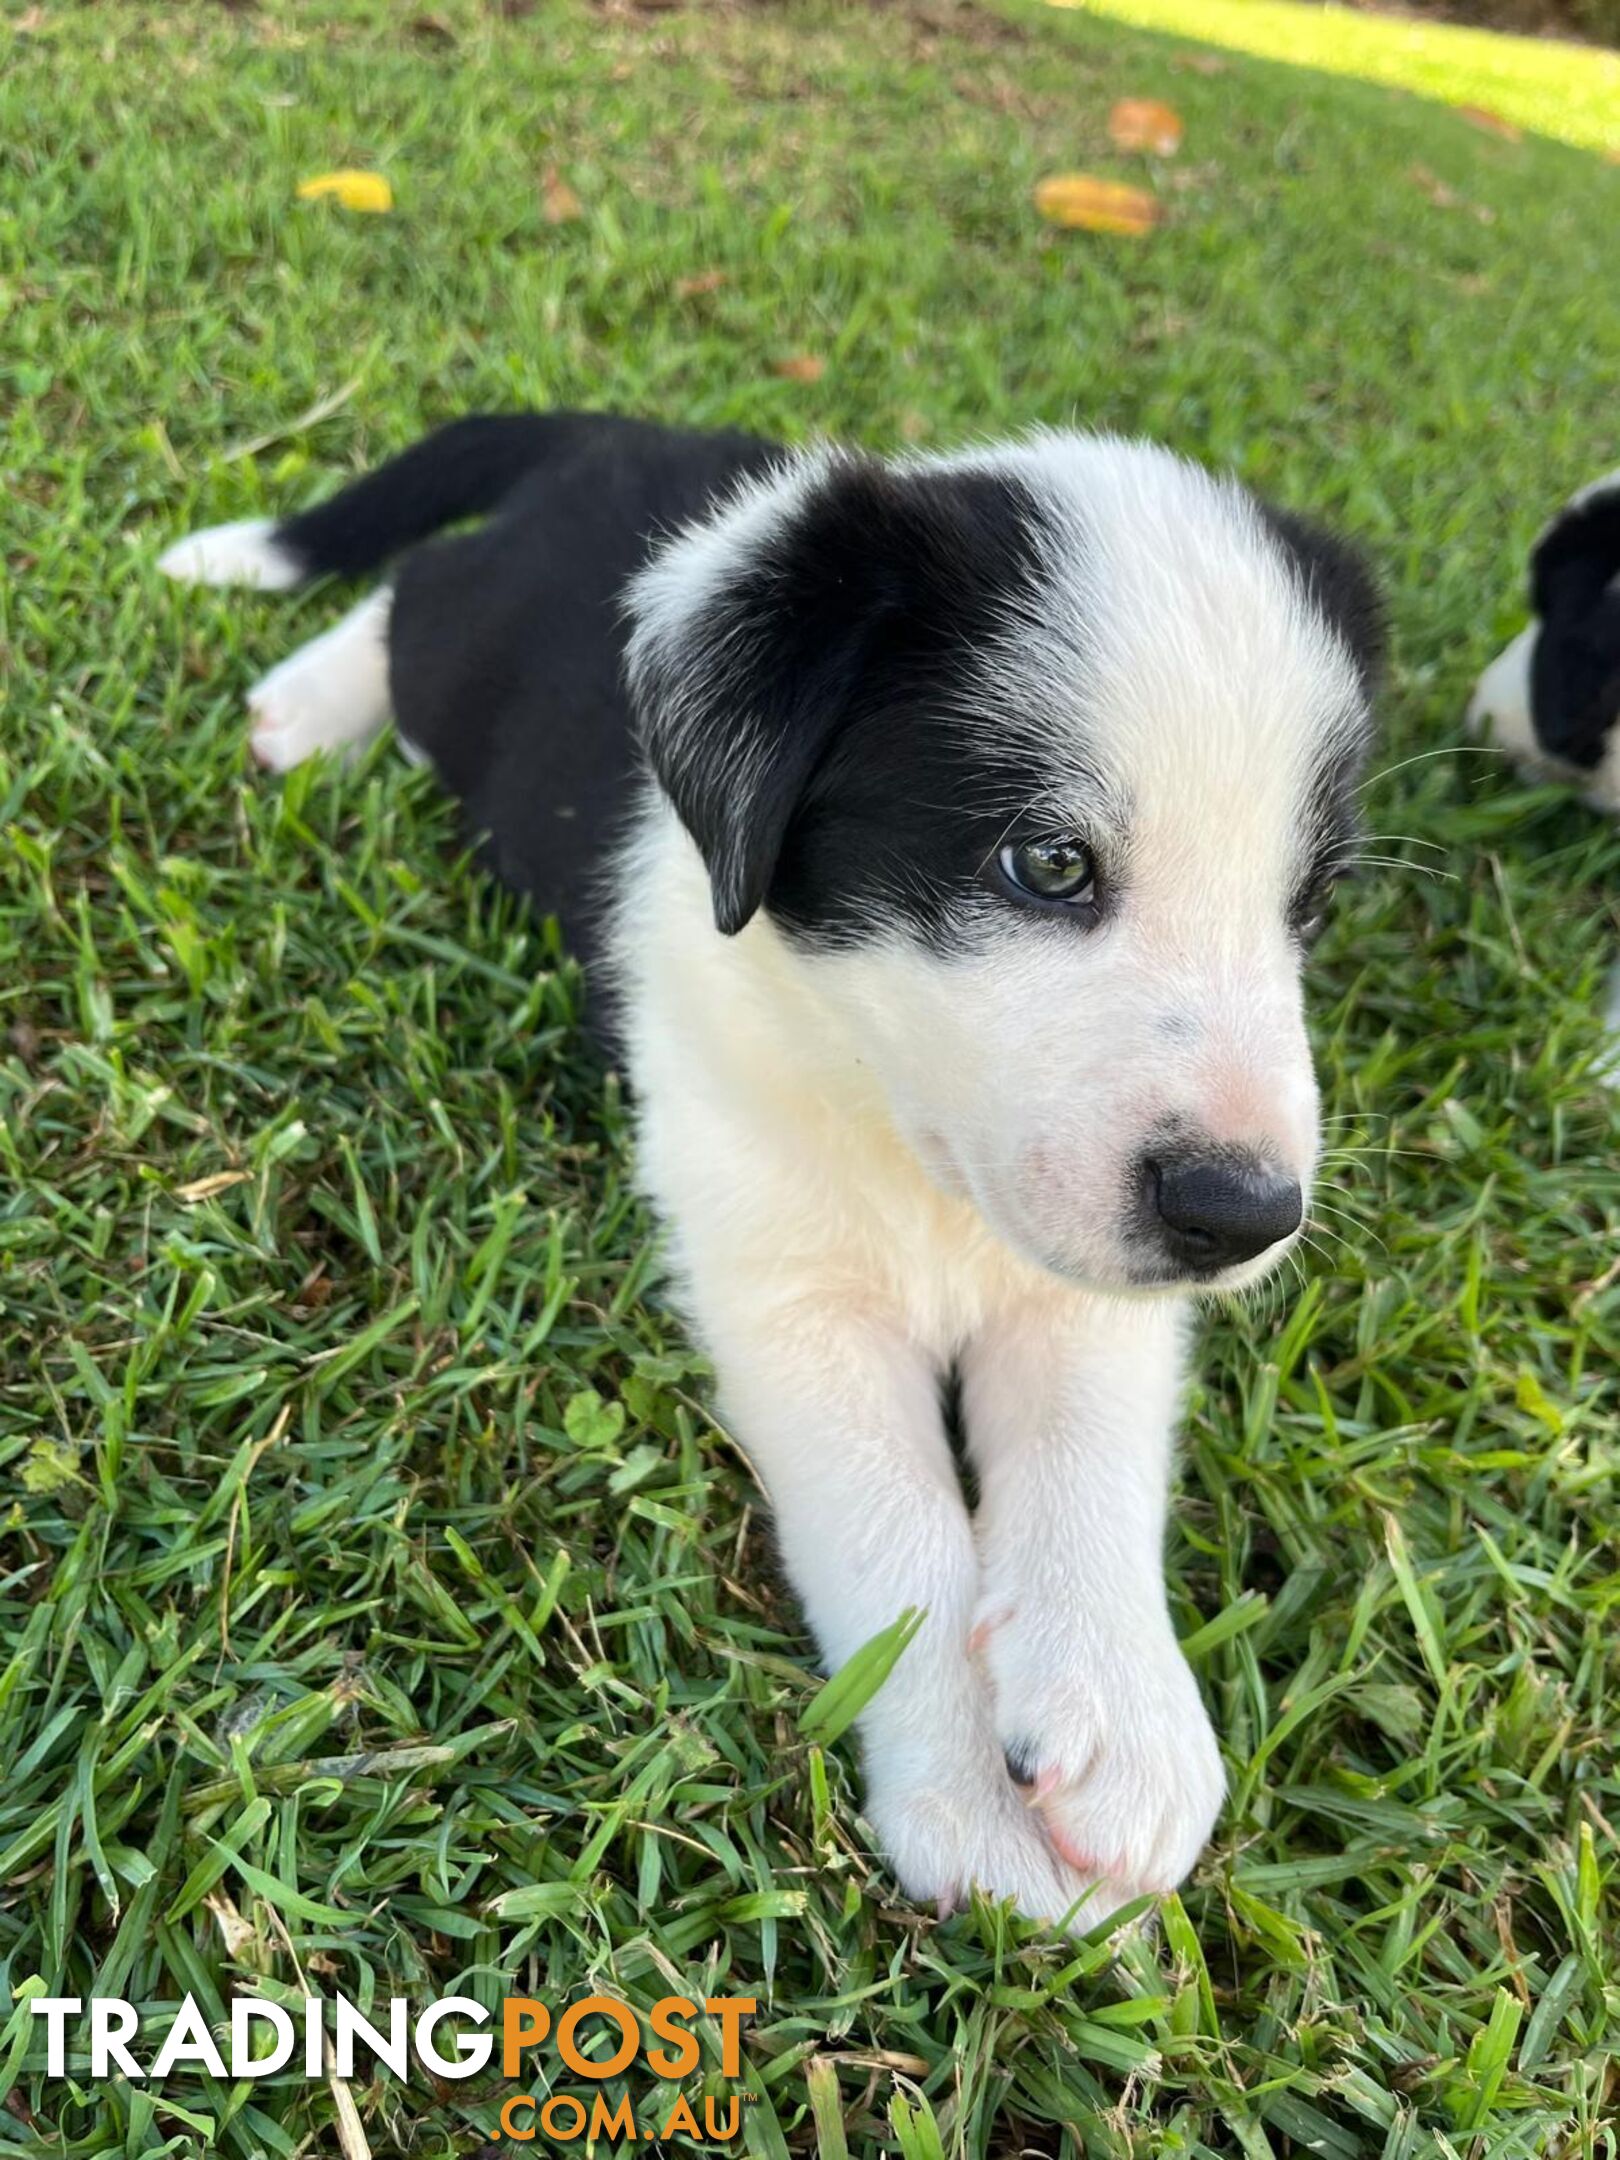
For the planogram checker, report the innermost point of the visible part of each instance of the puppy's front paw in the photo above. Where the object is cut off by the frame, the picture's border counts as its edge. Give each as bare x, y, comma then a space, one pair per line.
947, 1834
1111, 1740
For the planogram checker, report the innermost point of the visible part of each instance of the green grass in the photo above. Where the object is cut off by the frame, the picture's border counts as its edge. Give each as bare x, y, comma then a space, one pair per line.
365, 1544
1570, 92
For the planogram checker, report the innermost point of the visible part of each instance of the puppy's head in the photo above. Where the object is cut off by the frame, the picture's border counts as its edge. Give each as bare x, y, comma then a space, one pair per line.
1551, 699
1038, 761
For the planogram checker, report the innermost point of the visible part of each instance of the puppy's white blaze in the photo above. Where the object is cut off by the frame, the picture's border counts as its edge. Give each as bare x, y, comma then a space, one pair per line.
241, 553
1182, 633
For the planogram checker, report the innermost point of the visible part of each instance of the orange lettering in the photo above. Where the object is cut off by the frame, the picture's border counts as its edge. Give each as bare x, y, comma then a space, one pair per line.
548, 2117
668, 2022
598, 2006
509, 2126
731, 2010
523, 2022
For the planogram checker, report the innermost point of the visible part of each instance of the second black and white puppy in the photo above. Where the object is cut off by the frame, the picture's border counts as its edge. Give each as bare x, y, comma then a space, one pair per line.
1551, 699
958, 825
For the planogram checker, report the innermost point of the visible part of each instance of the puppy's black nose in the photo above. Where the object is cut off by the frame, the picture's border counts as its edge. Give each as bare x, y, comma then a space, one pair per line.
1215, 1210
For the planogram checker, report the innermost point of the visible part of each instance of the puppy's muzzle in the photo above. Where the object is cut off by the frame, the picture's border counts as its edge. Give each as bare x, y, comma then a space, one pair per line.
1213, 1210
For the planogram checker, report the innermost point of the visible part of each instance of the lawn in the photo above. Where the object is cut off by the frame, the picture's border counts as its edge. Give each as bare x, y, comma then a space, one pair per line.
379, 1608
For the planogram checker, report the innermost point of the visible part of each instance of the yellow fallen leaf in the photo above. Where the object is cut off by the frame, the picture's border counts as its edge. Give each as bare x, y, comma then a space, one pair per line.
800, 367
354, 190
1107, 206
1144, 123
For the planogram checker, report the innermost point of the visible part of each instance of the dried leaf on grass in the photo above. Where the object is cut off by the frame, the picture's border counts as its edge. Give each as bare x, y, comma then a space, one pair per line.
1083, 202
1145, 124
701, 282
559, 205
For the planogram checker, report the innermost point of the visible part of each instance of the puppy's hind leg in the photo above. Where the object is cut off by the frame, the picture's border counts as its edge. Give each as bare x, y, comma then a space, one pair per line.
330, 694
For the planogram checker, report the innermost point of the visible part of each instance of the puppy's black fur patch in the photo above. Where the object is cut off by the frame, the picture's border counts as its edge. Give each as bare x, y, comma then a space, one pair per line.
1575, 663
808, 725
1339, 582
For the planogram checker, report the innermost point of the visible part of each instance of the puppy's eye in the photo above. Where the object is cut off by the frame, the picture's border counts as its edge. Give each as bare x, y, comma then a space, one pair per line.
1311, 911
1058, 867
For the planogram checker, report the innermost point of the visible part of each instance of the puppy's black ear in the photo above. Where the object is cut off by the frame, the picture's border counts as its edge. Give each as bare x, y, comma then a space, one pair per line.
1341, 583
1575, 662
820, 594
1578, 556
747, 634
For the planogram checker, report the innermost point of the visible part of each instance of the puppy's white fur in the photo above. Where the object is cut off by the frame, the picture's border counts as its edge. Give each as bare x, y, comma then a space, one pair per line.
330, 694
241, 553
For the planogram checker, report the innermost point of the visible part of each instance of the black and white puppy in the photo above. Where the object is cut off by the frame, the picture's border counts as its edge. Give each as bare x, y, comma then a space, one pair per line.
959, 824
1551, 698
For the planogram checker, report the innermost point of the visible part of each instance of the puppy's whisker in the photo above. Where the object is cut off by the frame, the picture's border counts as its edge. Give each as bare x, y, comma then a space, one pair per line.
1423, 757
1336, 1245
1401, 839
1357, 1223
1341, 865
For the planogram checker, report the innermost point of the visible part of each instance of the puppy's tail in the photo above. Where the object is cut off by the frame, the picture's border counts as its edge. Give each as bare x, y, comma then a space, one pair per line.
464, 470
